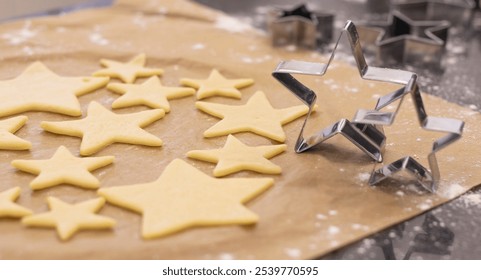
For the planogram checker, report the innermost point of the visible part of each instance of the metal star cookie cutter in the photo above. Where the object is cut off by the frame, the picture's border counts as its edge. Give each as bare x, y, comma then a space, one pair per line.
428, 179
300, 27
367, 137
403, 40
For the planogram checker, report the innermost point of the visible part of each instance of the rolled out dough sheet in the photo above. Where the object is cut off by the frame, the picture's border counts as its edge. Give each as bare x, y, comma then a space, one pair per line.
319, 203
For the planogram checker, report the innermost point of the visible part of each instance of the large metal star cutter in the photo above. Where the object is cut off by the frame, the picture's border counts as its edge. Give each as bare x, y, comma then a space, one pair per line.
367, 137
430, 178
299, 26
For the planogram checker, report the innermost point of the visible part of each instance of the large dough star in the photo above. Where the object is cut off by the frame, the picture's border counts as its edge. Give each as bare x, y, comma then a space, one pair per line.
151, 93
70, 218
102, 127
63, 167
128, 71
184, 197
257, 116
235, 156
8, 208
217, 85
39, 89
8, 141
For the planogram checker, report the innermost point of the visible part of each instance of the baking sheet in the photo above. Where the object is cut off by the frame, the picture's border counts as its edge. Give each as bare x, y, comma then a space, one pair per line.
319, 203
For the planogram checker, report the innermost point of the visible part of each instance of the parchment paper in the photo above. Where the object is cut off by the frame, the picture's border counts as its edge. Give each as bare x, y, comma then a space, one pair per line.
319, 203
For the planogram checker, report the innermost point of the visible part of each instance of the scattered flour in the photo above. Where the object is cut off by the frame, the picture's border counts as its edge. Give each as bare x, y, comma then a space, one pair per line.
451, 191
332, 212
27, 50
139, 20
364, 177
231, 24
473, 199
321, 217
261, 59
20, 36
198, 46
293, 252
332, 230
226, 256
97, 38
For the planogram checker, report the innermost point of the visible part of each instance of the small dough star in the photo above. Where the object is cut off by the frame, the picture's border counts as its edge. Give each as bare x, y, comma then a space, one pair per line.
256, 116
217, 85
102, 127
151, 93
184, 197
235, 156
129, 71
70, 218
63, 167
8, 141
39, 89
8, 208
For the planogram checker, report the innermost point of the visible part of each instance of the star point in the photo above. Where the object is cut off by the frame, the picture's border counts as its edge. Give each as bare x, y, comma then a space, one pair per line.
256, 116
8, 207
37, 88
128, 71
63, 167
102, 127
235, 156
151, 93
184, 197
8, 141
217, 85
70, 218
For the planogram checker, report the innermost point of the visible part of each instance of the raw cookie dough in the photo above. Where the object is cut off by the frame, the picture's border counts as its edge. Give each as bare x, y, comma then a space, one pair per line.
257, 116
102, 127
128, 71
10, 209
70, 218
8, 141
217, 85
235, 156
151, 93
184, 197
40, 89
62, 168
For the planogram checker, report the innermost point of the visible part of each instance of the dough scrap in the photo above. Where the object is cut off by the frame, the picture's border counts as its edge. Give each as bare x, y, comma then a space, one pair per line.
184, 197
217, 85
102, 127
256, 116
235, 156
63, 167
151, 93
37, 88
8, 141
10, 209
128, 71
70, 218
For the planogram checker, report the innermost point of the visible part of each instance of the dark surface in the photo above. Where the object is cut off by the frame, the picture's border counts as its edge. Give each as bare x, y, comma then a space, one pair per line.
446, 232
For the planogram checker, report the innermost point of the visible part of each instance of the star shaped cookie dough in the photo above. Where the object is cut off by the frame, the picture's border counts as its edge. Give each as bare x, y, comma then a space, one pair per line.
70, 218
151, 93
40, 89
8, 127
8, 208
217, 85
102, 127
128, 71
62, 168
235, 156
256, 116
184, 197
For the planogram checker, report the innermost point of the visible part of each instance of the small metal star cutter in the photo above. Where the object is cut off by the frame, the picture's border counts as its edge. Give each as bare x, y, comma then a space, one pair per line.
367, 137
428, 179
299, 27
416, 32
